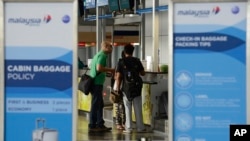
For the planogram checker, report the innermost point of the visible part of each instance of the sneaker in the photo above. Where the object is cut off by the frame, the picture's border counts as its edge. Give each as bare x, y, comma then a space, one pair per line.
104, 128
127, 131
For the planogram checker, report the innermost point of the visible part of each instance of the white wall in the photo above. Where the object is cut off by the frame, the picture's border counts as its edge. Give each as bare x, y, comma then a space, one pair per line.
161, 2
163, 33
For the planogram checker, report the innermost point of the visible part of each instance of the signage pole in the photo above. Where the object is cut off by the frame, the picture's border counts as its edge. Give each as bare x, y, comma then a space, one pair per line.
1, 72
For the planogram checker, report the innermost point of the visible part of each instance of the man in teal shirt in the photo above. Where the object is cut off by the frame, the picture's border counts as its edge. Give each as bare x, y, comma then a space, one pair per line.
98, 71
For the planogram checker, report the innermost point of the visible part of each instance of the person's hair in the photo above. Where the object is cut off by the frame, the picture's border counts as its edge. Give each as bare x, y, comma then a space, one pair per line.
123, 54
129, 49
104, 44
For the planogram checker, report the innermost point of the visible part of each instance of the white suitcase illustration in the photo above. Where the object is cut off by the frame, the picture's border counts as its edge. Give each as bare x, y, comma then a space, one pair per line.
43, 133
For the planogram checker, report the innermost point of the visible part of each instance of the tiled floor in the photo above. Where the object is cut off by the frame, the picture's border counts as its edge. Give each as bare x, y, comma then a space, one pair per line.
114, 135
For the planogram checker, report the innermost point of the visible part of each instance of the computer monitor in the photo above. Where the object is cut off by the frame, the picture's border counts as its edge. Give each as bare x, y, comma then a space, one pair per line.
126, 5
114, 5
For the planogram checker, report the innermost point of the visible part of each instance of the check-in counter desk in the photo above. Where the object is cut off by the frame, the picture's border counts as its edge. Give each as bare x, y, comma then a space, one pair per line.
154, 84
84, 101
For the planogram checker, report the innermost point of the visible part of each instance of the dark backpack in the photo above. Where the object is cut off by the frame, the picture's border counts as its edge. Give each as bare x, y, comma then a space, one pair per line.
132, 82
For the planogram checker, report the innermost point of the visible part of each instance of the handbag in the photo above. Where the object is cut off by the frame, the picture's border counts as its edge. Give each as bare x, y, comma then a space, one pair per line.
115, 96
86, 83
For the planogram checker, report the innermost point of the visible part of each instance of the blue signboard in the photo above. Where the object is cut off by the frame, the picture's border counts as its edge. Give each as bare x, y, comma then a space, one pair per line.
101, 2
209, 70
90, 4
38, 71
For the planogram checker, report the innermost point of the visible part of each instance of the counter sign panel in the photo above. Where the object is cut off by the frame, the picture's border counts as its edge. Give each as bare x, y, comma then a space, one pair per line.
38, 71
209, 87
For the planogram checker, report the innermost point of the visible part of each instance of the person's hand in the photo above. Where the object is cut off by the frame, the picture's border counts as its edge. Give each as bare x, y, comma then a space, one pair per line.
120, 92
112, 71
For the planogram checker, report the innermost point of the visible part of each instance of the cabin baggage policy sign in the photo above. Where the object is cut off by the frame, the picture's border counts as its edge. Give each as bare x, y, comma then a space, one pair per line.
38, 70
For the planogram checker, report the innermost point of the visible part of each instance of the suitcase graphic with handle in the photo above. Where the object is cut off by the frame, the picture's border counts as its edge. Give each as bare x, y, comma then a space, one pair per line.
41, 133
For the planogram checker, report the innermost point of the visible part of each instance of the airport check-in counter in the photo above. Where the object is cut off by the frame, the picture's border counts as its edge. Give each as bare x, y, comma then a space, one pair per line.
154, 84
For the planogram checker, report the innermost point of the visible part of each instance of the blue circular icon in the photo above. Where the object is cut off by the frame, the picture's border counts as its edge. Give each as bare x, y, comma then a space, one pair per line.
66, 18
184, 79
183, 122
184, 138
235, 10
184, 101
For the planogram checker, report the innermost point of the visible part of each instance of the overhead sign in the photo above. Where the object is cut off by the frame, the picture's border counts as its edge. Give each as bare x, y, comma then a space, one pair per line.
209, 70
90, 4
38, 71
101, 2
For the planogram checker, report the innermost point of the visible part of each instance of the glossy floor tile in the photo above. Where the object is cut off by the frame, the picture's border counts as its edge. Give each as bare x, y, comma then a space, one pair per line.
115, 135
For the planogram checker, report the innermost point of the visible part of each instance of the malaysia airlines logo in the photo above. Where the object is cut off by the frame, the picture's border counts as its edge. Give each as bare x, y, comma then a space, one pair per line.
31, 21
47, 18
216, 10
200, 12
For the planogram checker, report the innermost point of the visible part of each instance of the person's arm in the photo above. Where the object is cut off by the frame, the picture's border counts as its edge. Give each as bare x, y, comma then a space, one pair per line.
100, 68
118, 75
142, 73
80, 64
118, 80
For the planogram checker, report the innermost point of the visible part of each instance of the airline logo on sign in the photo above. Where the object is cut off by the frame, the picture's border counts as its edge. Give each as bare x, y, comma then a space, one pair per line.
199, 13
216, 10
47, 18
205, 13
30, 21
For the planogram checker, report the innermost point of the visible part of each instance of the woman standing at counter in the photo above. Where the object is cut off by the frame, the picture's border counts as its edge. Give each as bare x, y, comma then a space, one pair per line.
119, 106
